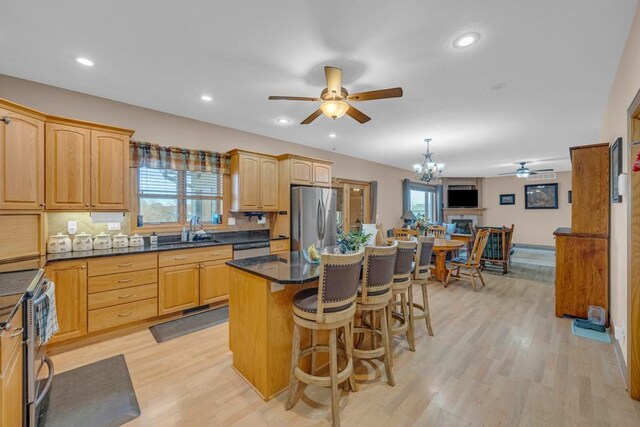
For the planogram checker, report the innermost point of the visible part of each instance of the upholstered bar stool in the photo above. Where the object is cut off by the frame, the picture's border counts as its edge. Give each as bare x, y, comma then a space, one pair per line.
402, 288
421, 274
329, 307
373, 300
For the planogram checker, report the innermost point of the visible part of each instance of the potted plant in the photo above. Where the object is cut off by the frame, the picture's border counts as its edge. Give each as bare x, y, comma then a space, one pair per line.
352, 241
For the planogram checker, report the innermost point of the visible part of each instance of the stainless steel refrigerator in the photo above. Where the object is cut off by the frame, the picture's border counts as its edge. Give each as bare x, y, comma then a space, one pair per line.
313, 217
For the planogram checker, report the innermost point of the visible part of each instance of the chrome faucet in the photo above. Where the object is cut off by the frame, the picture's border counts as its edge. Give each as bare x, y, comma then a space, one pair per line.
194, 225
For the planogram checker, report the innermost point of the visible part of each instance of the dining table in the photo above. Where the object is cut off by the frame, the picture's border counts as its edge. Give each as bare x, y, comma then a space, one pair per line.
440, 248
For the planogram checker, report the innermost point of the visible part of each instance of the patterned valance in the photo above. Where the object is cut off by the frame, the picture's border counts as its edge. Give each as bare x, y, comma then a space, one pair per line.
145, 154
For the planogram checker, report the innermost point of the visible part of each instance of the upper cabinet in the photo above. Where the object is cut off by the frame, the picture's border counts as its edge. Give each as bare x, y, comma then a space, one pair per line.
307, 171
87, 166
21, 158
590, 189
254, 182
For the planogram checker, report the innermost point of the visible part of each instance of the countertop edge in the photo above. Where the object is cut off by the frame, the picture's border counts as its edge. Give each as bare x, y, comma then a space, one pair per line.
264, 276
566, 231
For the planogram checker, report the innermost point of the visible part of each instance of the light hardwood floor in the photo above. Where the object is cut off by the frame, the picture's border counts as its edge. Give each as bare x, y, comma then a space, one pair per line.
499, 357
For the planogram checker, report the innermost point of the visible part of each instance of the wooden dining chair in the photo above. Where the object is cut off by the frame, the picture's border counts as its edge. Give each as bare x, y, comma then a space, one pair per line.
405, 234
471, 262
439, 231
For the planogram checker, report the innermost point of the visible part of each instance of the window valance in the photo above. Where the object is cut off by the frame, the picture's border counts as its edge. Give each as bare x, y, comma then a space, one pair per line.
145, 154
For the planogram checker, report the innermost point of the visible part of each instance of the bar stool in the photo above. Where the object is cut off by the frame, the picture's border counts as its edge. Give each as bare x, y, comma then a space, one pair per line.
402, 287
330, 307
373, 298
421, 273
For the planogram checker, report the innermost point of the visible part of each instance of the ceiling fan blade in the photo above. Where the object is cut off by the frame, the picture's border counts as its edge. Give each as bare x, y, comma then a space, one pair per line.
334, 80
312, 117
357, 115
543, 170
508, 173
293, 98
395, 92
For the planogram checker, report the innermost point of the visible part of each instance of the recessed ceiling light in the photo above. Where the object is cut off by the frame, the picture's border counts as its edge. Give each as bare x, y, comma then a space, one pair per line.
85, 61
332, 135
466, 39
282, 121
206, 98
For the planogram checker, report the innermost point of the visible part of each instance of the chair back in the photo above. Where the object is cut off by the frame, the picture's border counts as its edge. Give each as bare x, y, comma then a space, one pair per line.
482, 236
404, 233
404, 260
498, 246
423, 257
379, 266
339, 278
438, 231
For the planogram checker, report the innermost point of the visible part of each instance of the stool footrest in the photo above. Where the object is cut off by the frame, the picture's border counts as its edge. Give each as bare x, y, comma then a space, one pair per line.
324, 381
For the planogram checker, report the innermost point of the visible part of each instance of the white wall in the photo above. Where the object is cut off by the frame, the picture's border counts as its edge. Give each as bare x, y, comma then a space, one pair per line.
614, 125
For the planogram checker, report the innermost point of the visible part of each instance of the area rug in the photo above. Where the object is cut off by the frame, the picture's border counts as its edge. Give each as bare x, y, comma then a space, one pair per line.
188, 324
536, 273
100, 394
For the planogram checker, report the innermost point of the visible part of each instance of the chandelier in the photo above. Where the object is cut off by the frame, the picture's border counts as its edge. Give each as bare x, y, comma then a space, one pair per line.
429, 170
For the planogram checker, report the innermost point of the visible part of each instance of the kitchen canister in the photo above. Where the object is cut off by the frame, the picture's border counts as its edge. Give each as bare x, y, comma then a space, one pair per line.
102, 241
58, 244
120, 241
82, 242
136, 240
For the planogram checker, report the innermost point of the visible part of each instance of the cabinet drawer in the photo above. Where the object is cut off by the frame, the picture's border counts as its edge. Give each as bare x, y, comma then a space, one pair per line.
121, 264
122, 296
10, 339
122, 314
279, 246
190, 256
112, 282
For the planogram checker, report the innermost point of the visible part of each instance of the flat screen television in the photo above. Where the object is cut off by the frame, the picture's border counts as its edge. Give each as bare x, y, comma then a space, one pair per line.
463, 198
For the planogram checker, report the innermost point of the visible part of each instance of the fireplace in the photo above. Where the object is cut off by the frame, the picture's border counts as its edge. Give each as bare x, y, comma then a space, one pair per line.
463, 225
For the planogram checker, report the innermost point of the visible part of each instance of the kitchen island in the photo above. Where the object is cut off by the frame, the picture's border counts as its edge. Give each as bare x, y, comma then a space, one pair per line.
260, 317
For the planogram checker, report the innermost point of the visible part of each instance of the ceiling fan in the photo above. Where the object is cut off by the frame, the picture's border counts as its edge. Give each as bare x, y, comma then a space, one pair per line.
334, 98
523, 171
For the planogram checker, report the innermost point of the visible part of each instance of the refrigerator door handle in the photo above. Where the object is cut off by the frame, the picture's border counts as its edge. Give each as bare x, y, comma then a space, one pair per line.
318, 220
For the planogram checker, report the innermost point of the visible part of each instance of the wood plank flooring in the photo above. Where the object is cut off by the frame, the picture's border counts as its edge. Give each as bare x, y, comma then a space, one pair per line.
499, 357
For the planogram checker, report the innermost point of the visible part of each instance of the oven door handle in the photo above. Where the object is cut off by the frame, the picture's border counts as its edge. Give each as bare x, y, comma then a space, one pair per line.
47, 386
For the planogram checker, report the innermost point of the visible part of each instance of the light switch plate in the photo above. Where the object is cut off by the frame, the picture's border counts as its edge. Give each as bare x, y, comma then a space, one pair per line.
231, 221
114, 226
72, 227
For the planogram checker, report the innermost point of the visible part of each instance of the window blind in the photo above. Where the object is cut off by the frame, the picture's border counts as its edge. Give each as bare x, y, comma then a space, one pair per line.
203, 184
157, 182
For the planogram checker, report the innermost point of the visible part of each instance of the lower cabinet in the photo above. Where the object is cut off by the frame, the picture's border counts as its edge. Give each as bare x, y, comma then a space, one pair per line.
70, 278
11, 370
178, 288
214, 282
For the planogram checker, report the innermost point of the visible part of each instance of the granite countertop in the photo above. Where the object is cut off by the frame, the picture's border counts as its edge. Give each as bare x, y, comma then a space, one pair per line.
286, 269
13, 286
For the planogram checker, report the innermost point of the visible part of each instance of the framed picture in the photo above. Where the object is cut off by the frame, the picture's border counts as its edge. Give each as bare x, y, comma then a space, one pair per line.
541, 196
616, 169
507, 199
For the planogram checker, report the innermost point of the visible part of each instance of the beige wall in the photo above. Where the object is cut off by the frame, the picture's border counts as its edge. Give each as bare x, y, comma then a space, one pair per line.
532, 226
614, 125
167, 129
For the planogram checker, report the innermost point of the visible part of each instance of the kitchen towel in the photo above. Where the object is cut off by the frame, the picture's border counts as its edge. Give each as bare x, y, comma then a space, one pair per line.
46, 314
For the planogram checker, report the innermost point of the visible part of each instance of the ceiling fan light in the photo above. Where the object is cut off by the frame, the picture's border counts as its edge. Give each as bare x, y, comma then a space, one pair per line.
334, 109
522, 173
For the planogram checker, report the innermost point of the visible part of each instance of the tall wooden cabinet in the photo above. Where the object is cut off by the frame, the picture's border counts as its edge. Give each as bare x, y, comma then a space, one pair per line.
254, 182
21, 158
582, 251
87, 166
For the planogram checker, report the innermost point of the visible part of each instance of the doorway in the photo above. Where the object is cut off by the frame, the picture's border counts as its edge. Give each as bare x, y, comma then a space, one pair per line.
353, 204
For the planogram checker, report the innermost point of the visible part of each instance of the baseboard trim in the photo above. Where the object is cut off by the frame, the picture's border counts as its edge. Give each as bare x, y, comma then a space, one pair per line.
528, 246
621, 363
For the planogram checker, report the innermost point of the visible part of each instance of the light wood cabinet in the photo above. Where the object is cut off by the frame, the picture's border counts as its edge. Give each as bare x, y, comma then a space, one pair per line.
590, 198
70, 278
87, 168
306, 171
301, 171
321, 174
277, 246
214, 282
254, 182
178, 288
11, 394
21, 159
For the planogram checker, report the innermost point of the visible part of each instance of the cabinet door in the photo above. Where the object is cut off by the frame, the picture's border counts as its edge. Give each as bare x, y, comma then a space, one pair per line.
70, 278
178, 288
12, 389
321, 174
21, 162
109, 171
214, 282
68, 164
249, 182
301, 172
269, 184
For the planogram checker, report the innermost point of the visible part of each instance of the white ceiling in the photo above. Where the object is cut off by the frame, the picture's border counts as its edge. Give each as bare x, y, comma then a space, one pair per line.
556, 58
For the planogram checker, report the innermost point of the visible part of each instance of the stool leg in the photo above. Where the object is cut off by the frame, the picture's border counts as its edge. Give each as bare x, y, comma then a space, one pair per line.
314, 342
389, 322
348, 331
293, 381
386, 339
374, 336
333, 368
411, 338
425, 304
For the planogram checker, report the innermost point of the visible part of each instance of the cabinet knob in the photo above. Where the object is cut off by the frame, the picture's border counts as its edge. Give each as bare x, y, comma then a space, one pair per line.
43, 204
6, 120
83, 266
86, 204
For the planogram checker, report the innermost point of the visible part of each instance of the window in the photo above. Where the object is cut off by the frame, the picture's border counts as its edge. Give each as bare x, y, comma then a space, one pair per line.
172, 197
424, 201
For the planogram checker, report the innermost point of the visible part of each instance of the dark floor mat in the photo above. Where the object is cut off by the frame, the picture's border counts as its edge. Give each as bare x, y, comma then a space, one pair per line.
186, 325
99, 395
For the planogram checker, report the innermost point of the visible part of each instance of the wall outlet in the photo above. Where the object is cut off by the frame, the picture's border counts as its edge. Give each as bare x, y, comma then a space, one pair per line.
619, 333
72, 227
114, 226
231, 221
